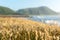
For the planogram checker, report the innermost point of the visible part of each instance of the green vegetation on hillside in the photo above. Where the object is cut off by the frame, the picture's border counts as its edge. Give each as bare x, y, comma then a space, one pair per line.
6, 11
37, 11
28, 11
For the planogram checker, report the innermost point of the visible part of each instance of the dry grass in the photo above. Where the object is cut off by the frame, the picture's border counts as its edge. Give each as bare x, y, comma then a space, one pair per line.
23, 29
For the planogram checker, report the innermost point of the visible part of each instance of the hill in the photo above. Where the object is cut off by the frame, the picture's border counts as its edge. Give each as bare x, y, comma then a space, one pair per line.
43, 10
6, 11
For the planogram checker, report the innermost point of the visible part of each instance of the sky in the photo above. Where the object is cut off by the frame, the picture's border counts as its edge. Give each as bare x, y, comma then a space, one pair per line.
21, 4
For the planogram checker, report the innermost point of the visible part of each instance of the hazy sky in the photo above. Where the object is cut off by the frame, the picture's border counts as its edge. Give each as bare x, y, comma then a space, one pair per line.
19, 4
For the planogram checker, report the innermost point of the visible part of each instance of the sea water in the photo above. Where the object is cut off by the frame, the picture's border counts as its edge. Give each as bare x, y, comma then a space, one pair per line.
46, 19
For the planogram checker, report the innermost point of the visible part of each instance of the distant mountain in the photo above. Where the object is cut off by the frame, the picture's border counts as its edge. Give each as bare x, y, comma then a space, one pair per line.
6, 11
43, 10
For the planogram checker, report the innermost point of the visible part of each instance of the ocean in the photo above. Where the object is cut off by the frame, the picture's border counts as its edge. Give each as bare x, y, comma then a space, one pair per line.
46, 19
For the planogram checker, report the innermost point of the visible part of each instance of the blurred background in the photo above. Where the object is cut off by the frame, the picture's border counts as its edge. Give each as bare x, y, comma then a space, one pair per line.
46, 11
